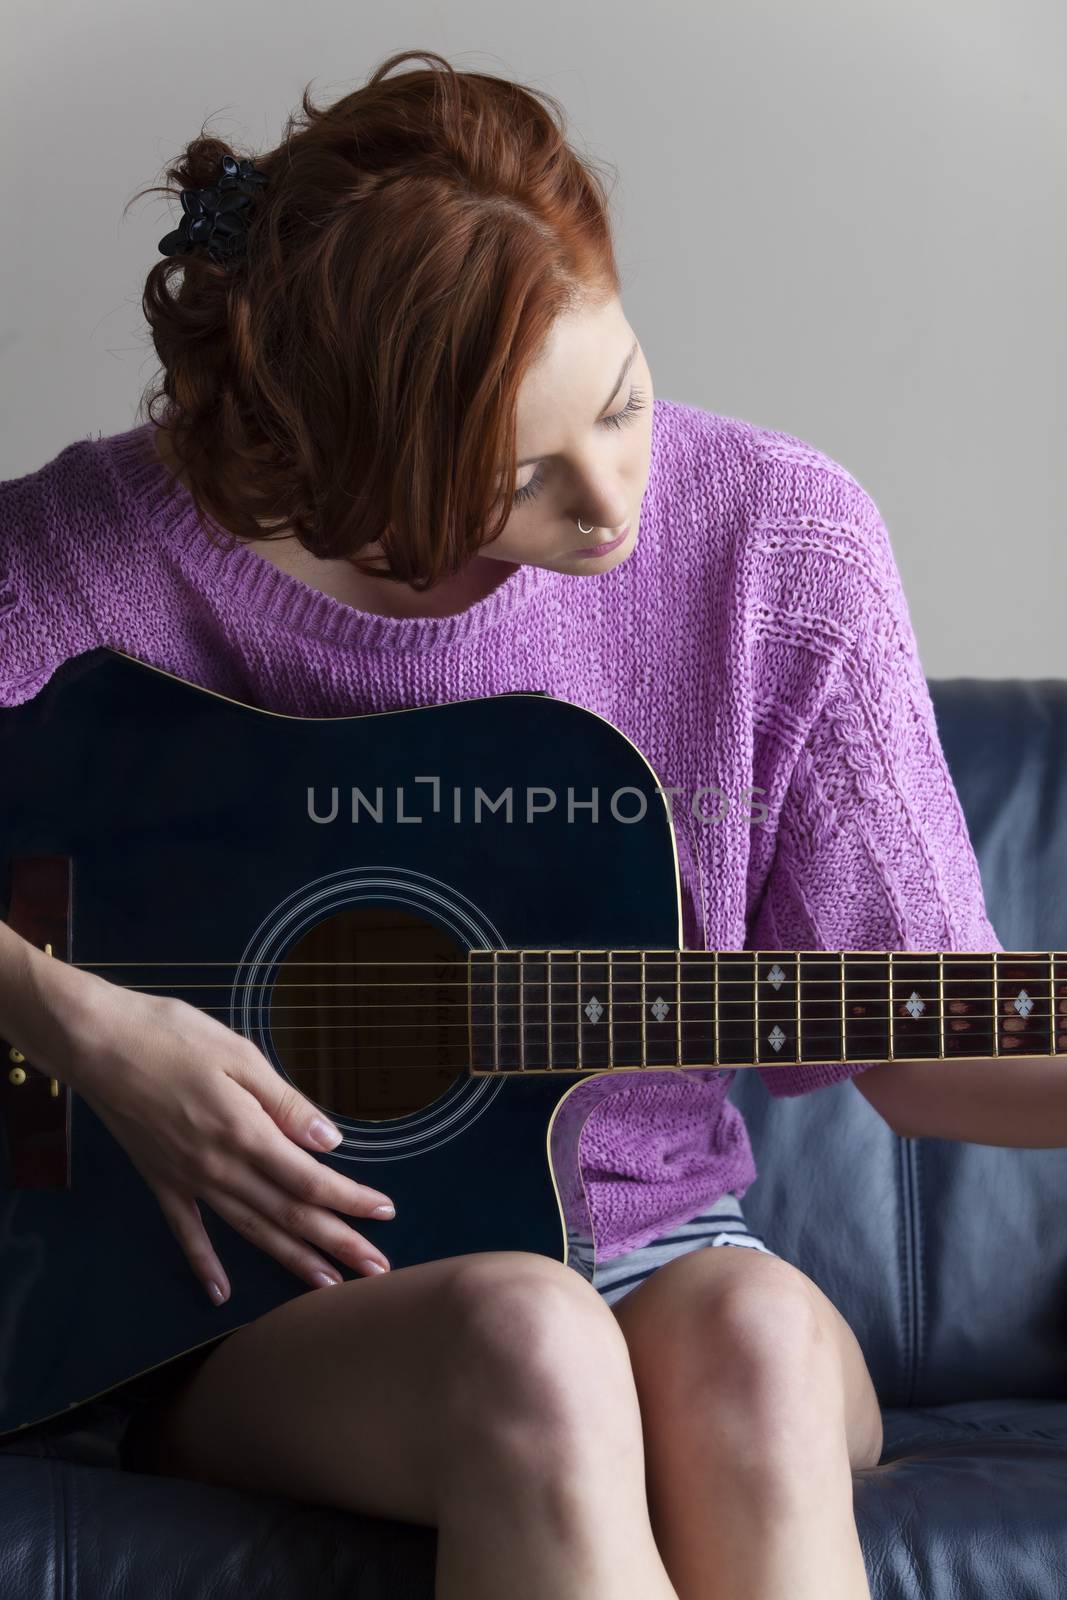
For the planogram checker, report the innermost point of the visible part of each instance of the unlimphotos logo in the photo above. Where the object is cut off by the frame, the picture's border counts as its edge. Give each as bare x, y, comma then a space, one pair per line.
623, 805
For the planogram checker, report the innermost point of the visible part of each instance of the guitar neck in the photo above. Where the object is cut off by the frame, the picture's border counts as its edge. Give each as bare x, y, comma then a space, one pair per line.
599, 1010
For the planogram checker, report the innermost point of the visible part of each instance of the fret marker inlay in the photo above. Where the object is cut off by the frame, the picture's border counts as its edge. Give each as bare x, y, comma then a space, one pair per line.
659, 1008
776, 1038
776, 977
594, 1010
1023, 1003
915, 1005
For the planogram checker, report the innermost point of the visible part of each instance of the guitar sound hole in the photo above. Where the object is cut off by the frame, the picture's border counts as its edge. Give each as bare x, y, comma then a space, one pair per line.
368, 1013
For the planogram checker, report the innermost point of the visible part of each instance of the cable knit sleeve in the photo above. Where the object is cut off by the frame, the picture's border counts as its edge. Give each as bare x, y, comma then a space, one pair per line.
872, 848
44, 619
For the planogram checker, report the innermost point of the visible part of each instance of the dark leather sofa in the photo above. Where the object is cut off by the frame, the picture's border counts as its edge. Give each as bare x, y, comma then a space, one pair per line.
949, 1260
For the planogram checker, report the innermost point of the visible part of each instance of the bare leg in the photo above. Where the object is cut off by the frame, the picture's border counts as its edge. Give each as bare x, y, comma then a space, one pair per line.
751, 1428
490, 1396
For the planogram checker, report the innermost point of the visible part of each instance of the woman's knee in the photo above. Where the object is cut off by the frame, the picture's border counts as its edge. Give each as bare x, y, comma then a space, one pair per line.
530, 1340
751, 1350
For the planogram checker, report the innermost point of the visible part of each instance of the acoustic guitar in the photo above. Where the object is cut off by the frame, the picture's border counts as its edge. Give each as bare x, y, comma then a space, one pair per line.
438, 923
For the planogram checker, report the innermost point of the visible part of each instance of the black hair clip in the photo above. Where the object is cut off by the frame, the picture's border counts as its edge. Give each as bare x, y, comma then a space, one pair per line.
217, 216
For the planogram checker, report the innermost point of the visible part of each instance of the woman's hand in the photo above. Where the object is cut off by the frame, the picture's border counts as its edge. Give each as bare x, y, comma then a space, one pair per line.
201, 1113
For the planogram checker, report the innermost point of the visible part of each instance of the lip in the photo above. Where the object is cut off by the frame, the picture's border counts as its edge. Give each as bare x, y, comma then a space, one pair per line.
605, 549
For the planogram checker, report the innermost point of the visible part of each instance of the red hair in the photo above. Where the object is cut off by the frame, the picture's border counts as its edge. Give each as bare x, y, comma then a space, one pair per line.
355, 376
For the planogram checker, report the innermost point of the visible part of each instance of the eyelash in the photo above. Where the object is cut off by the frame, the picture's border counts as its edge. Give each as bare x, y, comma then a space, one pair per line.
616, 420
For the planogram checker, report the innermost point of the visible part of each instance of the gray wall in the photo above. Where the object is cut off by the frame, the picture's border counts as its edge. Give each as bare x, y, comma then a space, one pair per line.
842, 220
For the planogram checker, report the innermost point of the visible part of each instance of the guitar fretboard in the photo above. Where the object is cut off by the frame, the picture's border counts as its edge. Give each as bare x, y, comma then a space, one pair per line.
595, 1010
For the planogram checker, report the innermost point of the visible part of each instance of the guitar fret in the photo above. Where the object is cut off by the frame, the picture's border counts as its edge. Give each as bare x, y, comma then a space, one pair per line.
736, 982
597, 1050
1059, 967
594, 1016
627, 1007
777, 1002
659, 1015
644, 1003
578, 1003
941, 1004
1026, 992
611, 1012
522, 1015
482, 999
564, 1016
914, 1006
535, 1034
678, 1007
548, 1009
715, 1007
509, 1016
996, 1006
867, 1006
892, 1054
696, 1013
505, 1028
1052, 1003
822, 1024
969, 1006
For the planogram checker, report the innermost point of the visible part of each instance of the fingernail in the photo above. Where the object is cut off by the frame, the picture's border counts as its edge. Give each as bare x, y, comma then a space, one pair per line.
324, 1279
384, 1211
216, 1293
372, 1266
325, 1135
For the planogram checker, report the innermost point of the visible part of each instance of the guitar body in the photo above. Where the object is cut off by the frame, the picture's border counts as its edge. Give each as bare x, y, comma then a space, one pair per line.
214, 856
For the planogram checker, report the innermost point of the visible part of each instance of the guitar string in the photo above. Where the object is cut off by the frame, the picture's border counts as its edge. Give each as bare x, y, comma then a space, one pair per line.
1039, 1016
589, 975
663, 957
599, 973
859, 1040
671, 978
866, 1027
531, 1004
689, 1002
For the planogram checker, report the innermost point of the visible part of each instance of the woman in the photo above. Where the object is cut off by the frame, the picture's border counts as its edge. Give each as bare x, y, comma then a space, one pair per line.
378, 333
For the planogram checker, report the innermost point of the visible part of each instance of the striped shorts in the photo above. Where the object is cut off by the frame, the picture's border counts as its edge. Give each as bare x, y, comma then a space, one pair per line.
721, 1224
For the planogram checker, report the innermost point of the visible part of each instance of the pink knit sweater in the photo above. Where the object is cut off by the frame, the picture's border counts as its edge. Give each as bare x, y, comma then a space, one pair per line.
757, 639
